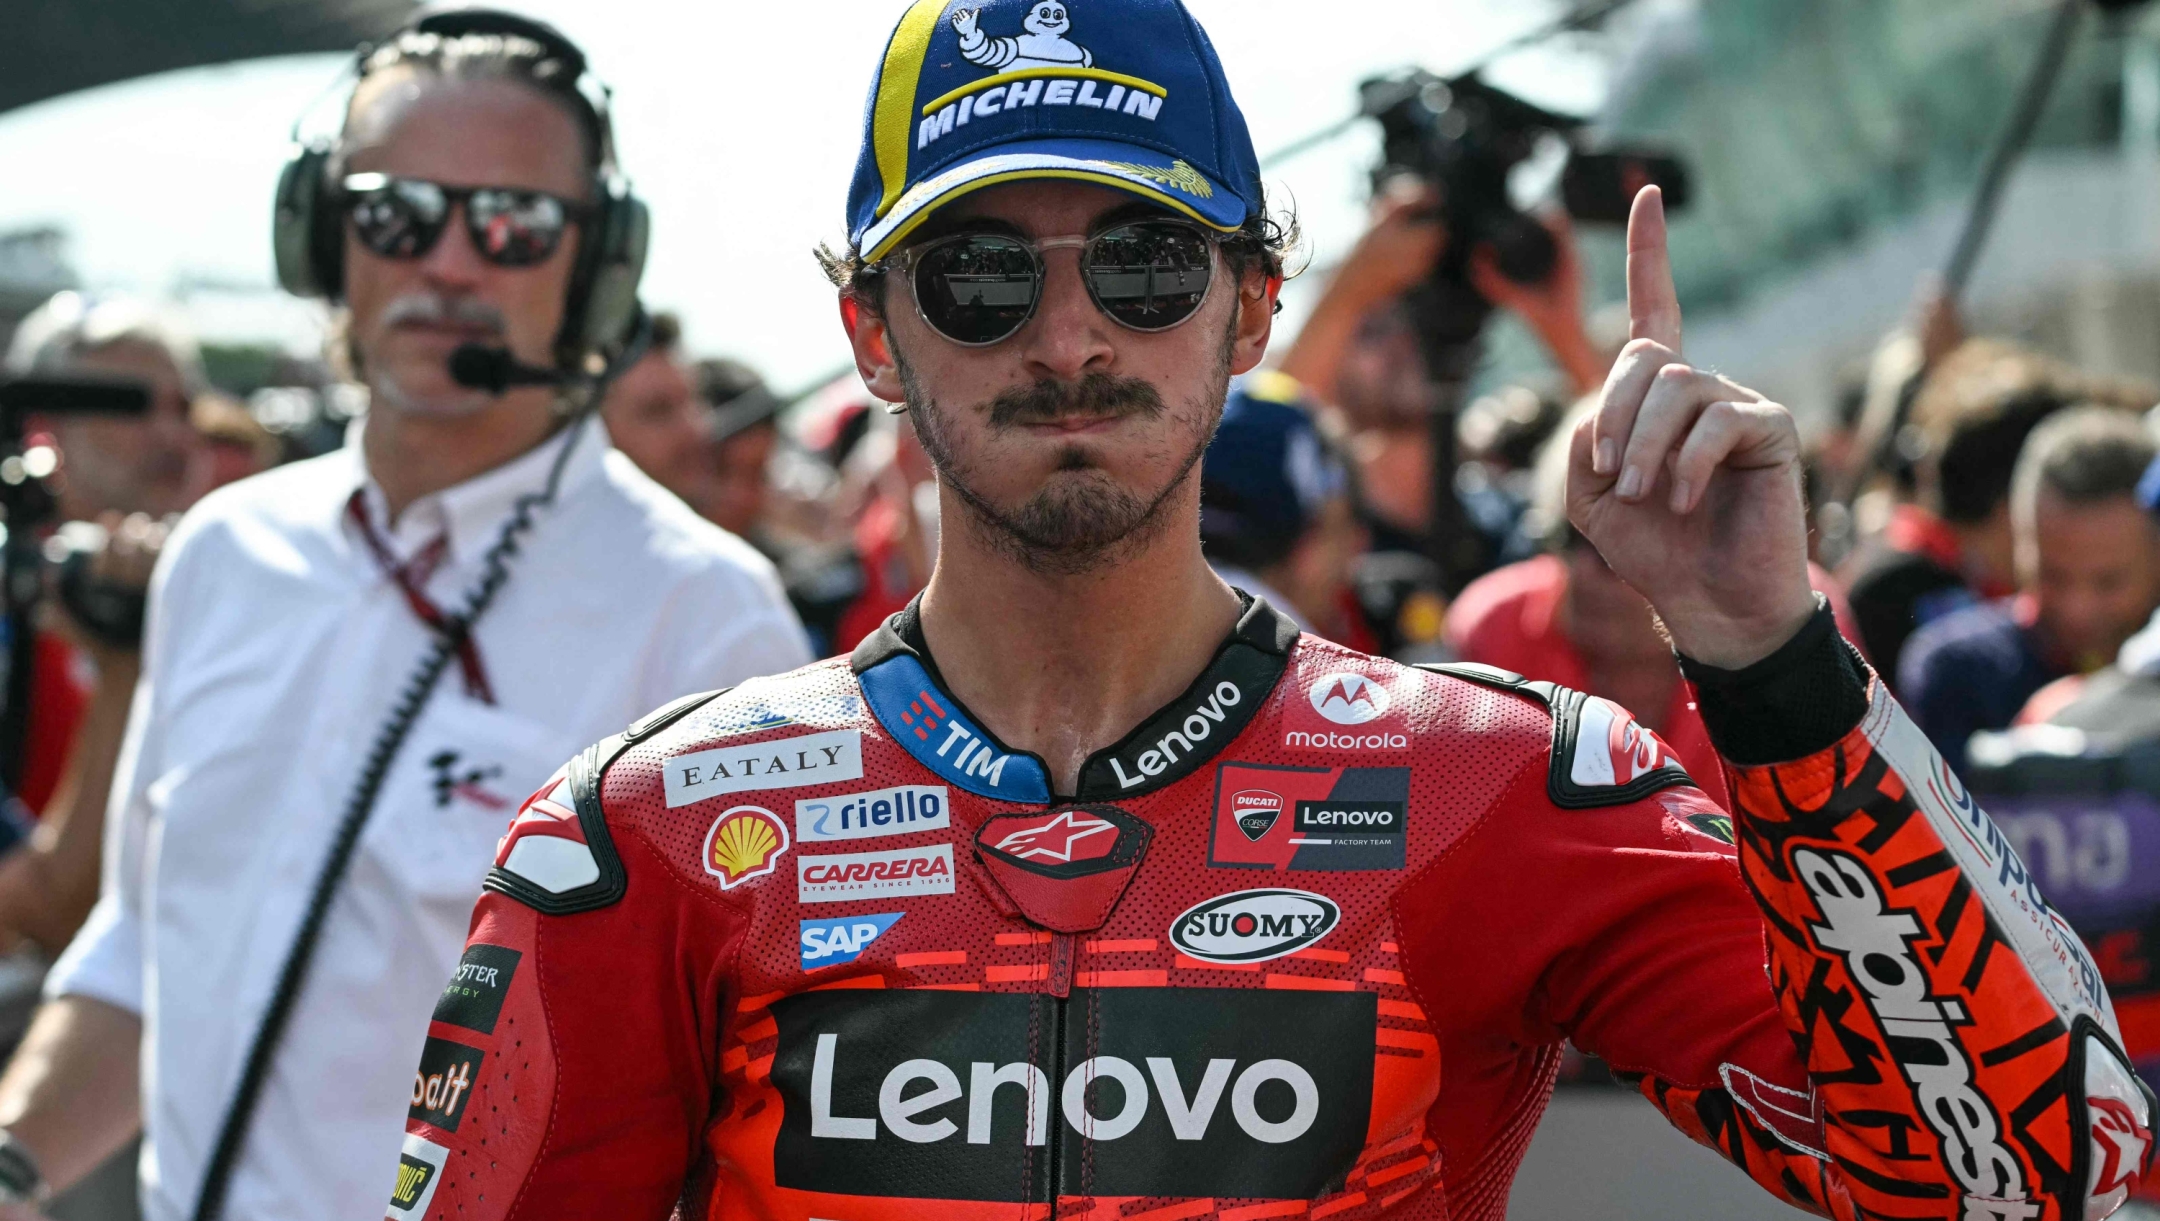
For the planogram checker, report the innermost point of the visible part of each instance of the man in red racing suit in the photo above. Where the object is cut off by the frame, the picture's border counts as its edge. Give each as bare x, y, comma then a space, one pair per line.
1126, 902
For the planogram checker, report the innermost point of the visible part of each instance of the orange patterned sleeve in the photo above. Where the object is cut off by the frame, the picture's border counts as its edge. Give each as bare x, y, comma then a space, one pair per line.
1961, 1051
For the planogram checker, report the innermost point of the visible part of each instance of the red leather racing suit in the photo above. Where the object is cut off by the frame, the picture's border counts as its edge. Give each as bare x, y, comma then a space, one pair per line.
1304, 945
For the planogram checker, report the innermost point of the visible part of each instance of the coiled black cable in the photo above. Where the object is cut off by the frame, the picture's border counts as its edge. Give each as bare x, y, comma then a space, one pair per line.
292, 975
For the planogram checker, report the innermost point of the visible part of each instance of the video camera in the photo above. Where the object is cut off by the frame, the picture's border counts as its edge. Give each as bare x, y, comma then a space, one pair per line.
1466, 138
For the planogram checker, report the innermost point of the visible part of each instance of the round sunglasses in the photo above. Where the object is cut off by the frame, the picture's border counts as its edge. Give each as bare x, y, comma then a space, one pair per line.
977, 289
403, 218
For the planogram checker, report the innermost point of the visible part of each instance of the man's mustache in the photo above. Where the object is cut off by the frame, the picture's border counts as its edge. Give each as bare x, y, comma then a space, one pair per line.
429, 309
1095, 396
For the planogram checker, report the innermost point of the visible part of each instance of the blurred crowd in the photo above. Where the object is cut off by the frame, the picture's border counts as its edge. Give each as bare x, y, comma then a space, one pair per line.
1986, 515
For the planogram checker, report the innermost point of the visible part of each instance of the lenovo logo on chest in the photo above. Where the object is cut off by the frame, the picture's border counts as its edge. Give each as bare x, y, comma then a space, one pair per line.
1125, 1091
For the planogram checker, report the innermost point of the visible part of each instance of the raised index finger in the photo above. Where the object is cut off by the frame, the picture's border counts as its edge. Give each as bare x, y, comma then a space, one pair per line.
1653, 306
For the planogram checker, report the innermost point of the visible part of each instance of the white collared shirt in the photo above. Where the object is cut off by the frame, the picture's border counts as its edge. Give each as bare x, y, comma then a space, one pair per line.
275, 648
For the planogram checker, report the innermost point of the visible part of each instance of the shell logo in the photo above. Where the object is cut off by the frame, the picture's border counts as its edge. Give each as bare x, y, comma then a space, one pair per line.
744, 843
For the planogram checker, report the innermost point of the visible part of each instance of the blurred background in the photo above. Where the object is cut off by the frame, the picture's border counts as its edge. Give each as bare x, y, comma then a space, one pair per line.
1862, 188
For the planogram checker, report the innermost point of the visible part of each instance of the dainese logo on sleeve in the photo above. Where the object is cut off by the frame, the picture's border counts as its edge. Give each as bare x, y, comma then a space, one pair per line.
744, 843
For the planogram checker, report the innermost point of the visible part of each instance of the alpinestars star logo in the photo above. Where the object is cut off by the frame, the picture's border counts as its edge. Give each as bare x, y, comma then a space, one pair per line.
1349, 699
1056, 840
2121, 1141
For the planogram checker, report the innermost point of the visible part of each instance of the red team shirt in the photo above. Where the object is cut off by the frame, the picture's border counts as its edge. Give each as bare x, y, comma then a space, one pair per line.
1304, 945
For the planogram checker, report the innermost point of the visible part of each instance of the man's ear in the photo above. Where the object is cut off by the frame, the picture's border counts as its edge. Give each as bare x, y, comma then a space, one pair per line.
872, 342
1255, 320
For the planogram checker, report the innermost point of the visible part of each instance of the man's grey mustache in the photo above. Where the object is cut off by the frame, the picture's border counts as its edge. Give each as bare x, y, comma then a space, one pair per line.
429, 309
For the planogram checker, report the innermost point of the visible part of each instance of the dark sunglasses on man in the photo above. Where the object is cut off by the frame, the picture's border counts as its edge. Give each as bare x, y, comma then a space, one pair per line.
403, 218
977, 289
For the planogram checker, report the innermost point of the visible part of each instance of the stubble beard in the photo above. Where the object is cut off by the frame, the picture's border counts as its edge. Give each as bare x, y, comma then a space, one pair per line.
1081, 521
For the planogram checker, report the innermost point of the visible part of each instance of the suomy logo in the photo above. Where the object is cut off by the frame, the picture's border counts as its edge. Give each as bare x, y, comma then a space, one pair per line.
1253, 925
1349, 699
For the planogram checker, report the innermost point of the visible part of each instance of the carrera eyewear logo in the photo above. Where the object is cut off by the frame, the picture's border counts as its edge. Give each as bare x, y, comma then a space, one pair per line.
1253, 925
1349, 699
1160, 1092
874, 875
744, 843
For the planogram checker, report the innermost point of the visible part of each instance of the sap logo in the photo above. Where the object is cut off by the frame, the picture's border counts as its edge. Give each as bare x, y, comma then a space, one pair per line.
831, 943
783, 763
1188, 736
927, 870
1918, 1027
1253, 925
1189, 1109
893, 811
1349, 699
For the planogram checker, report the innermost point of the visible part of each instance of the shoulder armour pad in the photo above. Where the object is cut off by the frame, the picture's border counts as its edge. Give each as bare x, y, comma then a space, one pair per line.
583, 886
1601, 755
667, 714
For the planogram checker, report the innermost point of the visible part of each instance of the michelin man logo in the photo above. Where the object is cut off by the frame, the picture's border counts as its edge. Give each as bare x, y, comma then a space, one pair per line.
1044, 44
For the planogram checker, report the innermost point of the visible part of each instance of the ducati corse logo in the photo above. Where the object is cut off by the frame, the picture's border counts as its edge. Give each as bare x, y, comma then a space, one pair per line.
1253, 925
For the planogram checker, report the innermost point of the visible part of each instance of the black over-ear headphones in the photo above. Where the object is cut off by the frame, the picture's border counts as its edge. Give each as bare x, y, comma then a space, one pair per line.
308, 228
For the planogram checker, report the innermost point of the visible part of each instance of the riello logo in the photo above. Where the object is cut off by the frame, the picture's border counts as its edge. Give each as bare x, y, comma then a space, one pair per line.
1253, 925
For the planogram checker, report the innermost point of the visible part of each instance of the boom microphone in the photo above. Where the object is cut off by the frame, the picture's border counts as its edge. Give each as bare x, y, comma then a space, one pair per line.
479, 367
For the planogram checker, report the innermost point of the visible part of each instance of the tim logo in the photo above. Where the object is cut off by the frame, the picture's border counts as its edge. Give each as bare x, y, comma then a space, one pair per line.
468, 783
1349, 699
923, 714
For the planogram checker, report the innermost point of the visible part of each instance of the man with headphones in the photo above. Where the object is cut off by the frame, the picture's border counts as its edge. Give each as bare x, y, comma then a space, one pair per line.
357, 665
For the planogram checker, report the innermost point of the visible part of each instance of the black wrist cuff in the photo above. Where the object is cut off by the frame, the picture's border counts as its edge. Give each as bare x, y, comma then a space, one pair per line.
1791, 704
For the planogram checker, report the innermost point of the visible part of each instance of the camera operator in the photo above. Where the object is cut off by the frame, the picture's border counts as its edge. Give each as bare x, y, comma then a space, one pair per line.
257, 1016
2088, 564
1360, 352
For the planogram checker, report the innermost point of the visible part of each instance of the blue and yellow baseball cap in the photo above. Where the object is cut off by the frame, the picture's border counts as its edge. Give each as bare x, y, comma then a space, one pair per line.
1124, 93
